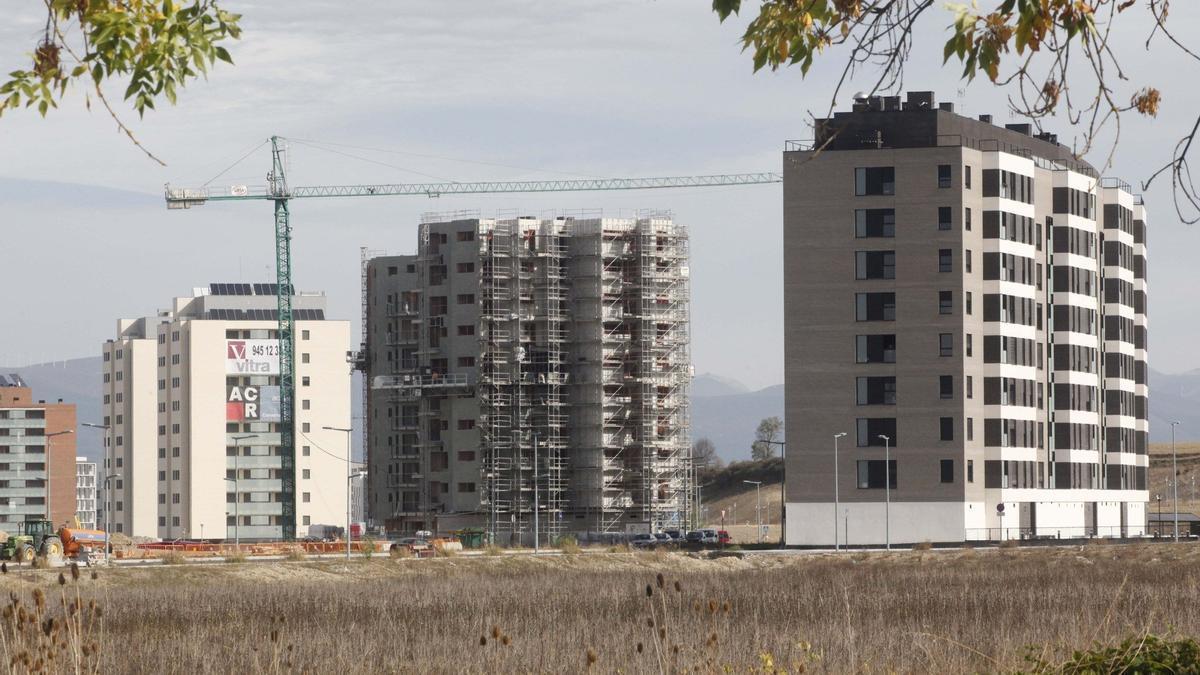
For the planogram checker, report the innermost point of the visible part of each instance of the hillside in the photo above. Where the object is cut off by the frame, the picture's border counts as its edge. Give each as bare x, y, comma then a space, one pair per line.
726, 413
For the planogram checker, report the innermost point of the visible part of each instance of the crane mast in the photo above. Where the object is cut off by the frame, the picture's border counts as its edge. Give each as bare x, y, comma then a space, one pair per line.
277, 190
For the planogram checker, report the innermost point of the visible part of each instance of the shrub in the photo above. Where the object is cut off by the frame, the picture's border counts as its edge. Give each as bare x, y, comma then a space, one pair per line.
1138, 654
492, 549
296, 554
568, 545
400, 552
368, 547
173, 558
922, 546
235, 557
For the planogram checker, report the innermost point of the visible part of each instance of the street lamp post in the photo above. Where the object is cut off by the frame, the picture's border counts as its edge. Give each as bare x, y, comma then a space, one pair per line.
348, 477
237, 497
758, 505
836, 501
107, 493
1174, 481
887, 492
536, 540
49, 441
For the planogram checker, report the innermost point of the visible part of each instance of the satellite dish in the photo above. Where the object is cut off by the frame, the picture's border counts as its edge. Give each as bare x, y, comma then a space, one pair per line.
1000, 508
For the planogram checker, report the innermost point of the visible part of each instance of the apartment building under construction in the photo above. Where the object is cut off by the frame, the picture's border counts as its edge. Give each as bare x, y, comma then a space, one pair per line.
530, 373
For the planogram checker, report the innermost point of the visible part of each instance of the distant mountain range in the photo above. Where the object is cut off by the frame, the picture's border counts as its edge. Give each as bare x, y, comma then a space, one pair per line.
724, 410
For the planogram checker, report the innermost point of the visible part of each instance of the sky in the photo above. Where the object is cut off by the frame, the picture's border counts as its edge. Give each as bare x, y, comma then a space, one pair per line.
413, 92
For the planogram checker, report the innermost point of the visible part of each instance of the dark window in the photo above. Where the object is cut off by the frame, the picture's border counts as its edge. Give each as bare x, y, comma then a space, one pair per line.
880, 180
875, 306
967, 261
944, 218
875, 265
945, 260
970, 471
943, 175
874, 223
876, 390
946, 386
967, 302
869, 430
970, 386
967, 178
947, 465
945, 302
873, 473
945, 344
947, 431
875, 349
970, 437
967, 218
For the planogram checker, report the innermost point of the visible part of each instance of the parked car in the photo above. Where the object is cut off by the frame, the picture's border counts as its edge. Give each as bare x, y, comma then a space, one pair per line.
723, 538
675, 535
664, 540
643, 540
694, 537
709, 537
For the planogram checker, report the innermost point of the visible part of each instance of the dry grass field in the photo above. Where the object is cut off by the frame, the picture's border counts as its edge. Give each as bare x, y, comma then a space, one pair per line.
957, 610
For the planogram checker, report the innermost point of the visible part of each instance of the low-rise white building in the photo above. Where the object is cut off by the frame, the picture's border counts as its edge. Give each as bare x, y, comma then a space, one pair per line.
85, 492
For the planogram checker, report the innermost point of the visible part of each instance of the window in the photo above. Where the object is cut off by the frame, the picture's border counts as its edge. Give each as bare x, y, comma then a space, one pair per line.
945, 302
304, 357
879, 180
463, 425
876, 390
946, 386
162, 453
466, 298
969, 347
305, 404
466, 455
869, 429
944, 218
946, 425
306, 451
875, 265
943, 175
308, 520
175, 498
175, 474
970, 471
305, 381
970, 387
306, 474
967, 178
467, 329
306, 427
875, 349
874, 223
465, 267
947, 466
466, 487
967, 302
970, 436
306, 497
875, 306
874, 473
464, 235
945, 344
162, 521
437, 305
304, 335
967, 261
967, 219
466, 362
945, 260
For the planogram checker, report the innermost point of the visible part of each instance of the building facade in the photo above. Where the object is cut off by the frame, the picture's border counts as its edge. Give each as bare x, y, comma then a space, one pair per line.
85, 492
191, 401
530, 370
967, 304
37, 458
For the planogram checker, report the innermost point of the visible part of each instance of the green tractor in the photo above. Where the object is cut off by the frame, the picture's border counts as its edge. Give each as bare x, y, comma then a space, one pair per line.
38, 537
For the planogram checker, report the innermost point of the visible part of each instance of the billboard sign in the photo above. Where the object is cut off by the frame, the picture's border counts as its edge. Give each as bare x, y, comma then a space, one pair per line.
251, 357
255, 403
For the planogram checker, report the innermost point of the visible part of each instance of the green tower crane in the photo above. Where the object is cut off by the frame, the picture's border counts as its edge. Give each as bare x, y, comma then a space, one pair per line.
277, 190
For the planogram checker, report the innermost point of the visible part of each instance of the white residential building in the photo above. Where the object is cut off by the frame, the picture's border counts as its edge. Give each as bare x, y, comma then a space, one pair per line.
85, 492
191, 401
